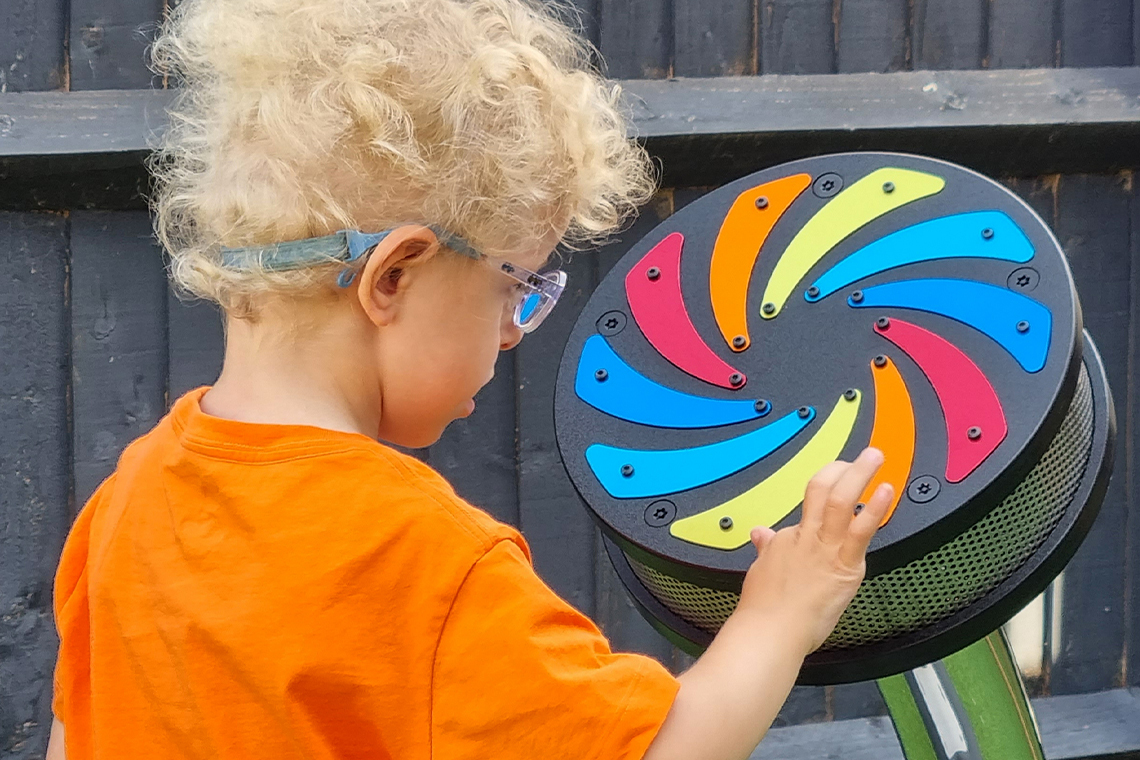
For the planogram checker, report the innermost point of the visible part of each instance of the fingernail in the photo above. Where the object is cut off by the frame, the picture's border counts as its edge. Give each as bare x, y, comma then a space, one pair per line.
873, 453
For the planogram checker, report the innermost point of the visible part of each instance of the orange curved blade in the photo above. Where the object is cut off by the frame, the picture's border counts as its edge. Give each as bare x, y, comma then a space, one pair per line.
742, 234
893, 433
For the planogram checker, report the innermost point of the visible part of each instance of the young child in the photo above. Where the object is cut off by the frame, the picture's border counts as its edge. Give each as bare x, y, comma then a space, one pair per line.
366, 187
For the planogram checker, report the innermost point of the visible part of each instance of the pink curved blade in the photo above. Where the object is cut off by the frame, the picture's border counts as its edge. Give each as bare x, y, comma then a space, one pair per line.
975, 421
653, 288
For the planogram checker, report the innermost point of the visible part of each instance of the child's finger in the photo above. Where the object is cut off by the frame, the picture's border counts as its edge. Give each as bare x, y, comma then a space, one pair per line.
846, 492
862, 529
761, 536
815, 496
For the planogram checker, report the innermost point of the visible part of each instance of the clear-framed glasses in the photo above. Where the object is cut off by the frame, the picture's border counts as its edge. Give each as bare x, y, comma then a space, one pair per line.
540, 291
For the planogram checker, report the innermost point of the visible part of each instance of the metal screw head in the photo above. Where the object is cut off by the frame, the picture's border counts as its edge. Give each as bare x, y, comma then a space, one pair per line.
974, 433
726, 523
739, 341
988, 233
880, 361
923, 489
611, 323
813, 292
1023, 279
653, 273
601, 375
1023, 326
827, 185
735, 379
857, 296
762, 202
850, 394
627, 470
660, 513
768, 308
888, 187
804, 412
883, 323
762, 406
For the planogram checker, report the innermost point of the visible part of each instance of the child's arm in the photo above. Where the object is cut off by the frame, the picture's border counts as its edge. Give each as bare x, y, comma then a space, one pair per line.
793, 595
55, 742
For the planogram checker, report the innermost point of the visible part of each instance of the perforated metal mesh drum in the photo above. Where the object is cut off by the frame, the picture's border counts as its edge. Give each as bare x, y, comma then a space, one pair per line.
794, 317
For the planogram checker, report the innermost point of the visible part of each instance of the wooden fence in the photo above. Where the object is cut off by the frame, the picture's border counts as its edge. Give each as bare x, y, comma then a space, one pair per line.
95, 347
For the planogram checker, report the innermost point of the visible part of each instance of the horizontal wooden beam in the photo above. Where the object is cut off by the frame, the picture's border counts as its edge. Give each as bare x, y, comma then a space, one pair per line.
1076, 727
705, 131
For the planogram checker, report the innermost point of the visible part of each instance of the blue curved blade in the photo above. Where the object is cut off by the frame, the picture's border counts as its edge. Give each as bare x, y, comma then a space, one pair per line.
987, 308
951, 237
655, 473
627, 394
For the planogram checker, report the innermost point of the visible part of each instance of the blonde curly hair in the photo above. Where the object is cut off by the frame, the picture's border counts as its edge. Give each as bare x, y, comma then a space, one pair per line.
296, 118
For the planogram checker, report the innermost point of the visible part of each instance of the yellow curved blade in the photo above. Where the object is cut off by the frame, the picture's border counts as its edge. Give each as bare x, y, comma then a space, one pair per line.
859, 204
775, 497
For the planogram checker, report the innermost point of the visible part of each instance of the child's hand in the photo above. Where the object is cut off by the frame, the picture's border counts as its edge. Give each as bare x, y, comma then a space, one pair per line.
806, 575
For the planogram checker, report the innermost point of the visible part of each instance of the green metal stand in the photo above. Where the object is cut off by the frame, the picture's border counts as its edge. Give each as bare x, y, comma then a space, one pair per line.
969, 706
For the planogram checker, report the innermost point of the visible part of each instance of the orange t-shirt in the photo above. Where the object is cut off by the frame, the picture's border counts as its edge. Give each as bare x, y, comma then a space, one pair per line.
246, 591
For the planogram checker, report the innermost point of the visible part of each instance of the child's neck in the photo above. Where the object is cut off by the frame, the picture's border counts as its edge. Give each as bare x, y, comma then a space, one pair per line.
310, 380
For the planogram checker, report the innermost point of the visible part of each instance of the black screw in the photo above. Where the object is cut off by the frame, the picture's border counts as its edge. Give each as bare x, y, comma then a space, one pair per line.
888, 187
762, 202
974, 433
739, 341
857, 296
653, 273
988, 233
769, 308
660, 513
626, 470
601, 375
804, 412
924, 488
611, 323
761, 406
1022, 326
883, 323
850, 394
880, 361
735, 379
726, 523
813, 292
859, 507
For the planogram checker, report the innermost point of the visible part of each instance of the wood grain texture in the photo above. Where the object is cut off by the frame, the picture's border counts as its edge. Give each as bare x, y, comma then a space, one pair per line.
1096, 33
34, 481
477, 454
948, 34
32, 34
797, 37
636, 38
108, 42
551, 515
713, 38
1023, 34
195, 343
118, 339
871, 36
1093, 228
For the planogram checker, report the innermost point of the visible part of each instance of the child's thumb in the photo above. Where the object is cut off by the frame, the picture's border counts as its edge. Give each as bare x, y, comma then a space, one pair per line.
761, 537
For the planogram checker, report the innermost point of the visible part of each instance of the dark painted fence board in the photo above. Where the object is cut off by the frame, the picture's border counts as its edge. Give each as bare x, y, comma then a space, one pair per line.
856, 700
477, 454
195, 343
1092, 226
1022, 34
551, 515
108, 42
713, 38
1128, 417
34, 481
32, 34
797, 37
118, 339
1096, 33
948, 34
872, 36
636, 38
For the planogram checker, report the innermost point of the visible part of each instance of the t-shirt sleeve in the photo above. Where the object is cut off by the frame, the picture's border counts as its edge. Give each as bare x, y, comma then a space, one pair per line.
519, 673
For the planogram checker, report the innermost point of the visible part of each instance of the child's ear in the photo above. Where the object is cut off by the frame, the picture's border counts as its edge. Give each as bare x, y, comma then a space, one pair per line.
380, 281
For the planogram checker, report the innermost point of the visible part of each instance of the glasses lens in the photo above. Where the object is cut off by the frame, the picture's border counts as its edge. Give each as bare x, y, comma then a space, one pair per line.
528, 306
